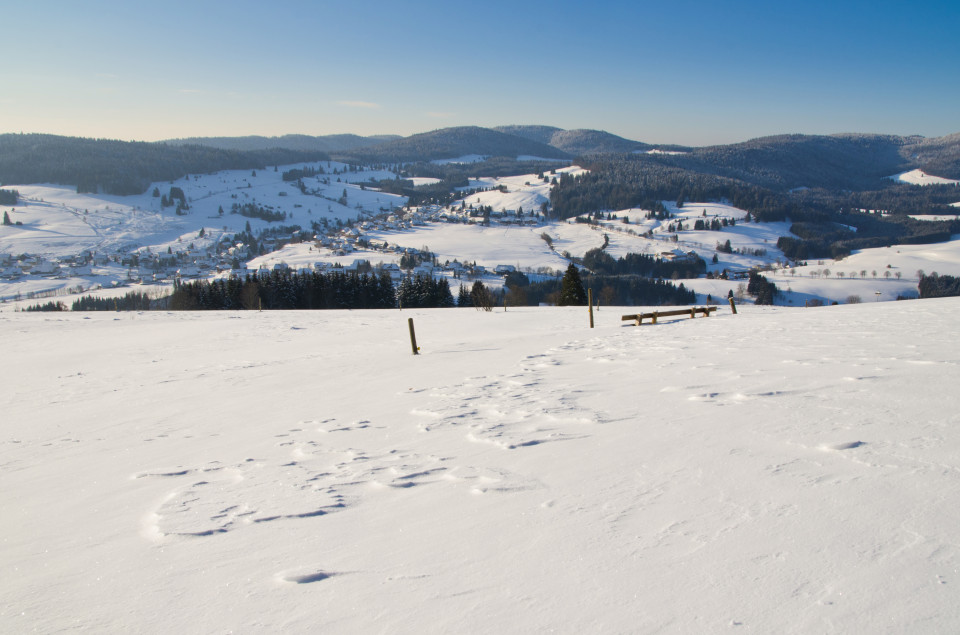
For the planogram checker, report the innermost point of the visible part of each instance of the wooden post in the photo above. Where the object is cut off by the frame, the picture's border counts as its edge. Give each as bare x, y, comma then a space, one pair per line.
654, 321
590, 304
413, 338
733, 307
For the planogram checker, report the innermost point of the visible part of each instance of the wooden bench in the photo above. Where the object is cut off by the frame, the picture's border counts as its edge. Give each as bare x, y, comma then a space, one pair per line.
692, 312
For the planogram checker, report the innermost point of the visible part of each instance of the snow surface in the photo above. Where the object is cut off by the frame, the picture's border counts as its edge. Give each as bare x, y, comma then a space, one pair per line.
525, 191
779, 470
919, 177
467, 158
937, 217
488, 246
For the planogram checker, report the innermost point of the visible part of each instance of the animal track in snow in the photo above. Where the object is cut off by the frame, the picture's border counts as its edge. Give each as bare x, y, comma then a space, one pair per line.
313, 480
500, 411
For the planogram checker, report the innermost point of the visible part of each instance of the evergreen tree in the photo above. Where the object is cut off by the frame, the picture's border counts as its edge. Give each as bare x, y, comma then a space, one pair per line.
762, 289
572, 292
463, 297
481, 297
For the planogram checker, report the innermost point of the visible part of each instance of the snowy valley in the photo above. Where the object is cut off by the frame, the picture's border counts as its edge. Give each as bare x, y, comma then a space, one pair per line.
61, 244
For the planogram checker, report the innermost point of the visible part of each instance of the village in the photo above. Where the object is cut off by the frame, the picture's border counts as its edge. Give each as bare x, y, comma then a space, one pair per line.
355, 244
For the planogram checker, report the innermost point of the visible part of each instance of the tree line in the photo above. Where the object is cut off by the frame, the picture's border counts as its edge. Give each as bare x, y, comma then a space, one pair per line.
600, 262
937, 286
286, 290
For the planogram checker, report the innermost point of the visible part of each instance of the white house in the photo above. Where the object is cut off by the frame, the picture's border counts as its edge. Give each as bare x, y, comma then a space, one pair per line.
45, 268
81, 270
678, 255
424, 269
456, 267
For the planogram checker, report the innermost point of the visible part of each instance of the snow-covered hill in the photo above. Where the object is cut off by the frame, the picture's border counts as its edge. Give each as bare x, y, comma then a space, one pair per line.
778, 470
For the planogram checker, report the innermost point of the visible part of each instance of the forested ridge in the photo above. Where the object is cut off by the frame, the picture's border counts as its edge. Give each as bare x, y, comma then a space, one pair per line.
831, 216
302, 143
451, 143
122, 167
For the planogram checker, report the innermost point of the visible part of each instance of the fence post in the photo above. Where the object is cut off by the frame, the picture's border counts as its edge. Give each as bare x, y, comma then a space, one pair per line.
733, 307
590, 304
413, 337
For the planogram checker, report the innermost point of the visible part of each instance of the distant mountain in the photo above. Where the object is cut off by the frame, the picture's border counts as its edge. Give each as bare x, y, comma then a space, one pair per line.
122, 167
790, 161
581, 142
299, 142
577, 142
938, 155
780, 163
451, 143
540, 134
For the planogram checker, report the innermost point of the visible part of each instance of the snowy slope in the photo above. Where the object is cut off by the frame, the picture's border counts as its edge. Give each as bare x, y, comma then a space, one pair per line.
303, 472
919, 177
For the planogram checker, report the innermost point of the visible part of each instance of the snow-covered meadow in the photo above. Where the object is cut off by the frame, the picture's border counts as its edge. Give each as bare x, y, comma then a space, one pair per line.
919, 177
778, 470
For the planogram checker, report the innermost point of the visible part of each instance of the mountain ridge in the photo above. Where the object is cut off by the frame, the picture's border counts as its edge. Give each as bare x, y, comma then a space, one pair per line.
779, 162
298, 142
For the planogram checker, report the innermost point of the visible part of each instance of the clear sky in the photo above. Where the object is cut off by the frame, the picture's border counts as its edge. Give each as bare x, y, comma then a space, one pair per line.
674, 71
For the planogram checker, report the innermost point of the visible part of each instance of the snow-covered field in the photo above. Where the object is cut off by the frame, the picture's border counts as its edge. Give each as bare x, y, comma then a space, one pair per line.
919, 177
779, 470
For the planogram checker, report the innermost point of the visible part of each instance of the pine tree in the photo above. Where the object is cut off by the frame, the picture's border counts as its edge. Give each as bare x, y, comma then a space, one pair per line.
463, 297
572, 292
481, 297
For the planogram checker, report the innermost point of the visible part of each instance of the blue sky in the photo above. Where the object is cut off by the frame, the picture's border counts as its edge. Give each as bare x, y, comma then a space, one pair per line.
687, 72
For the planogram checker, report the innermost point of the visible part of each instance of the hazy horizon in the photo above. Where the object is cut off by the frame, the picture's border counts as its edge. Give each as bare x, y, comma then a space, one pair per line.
687, 73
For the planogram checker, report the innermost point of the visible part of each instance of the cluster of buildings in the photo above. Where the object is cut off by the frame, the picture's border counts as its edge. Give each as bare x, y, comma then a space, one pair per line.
145, 265
16, 267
